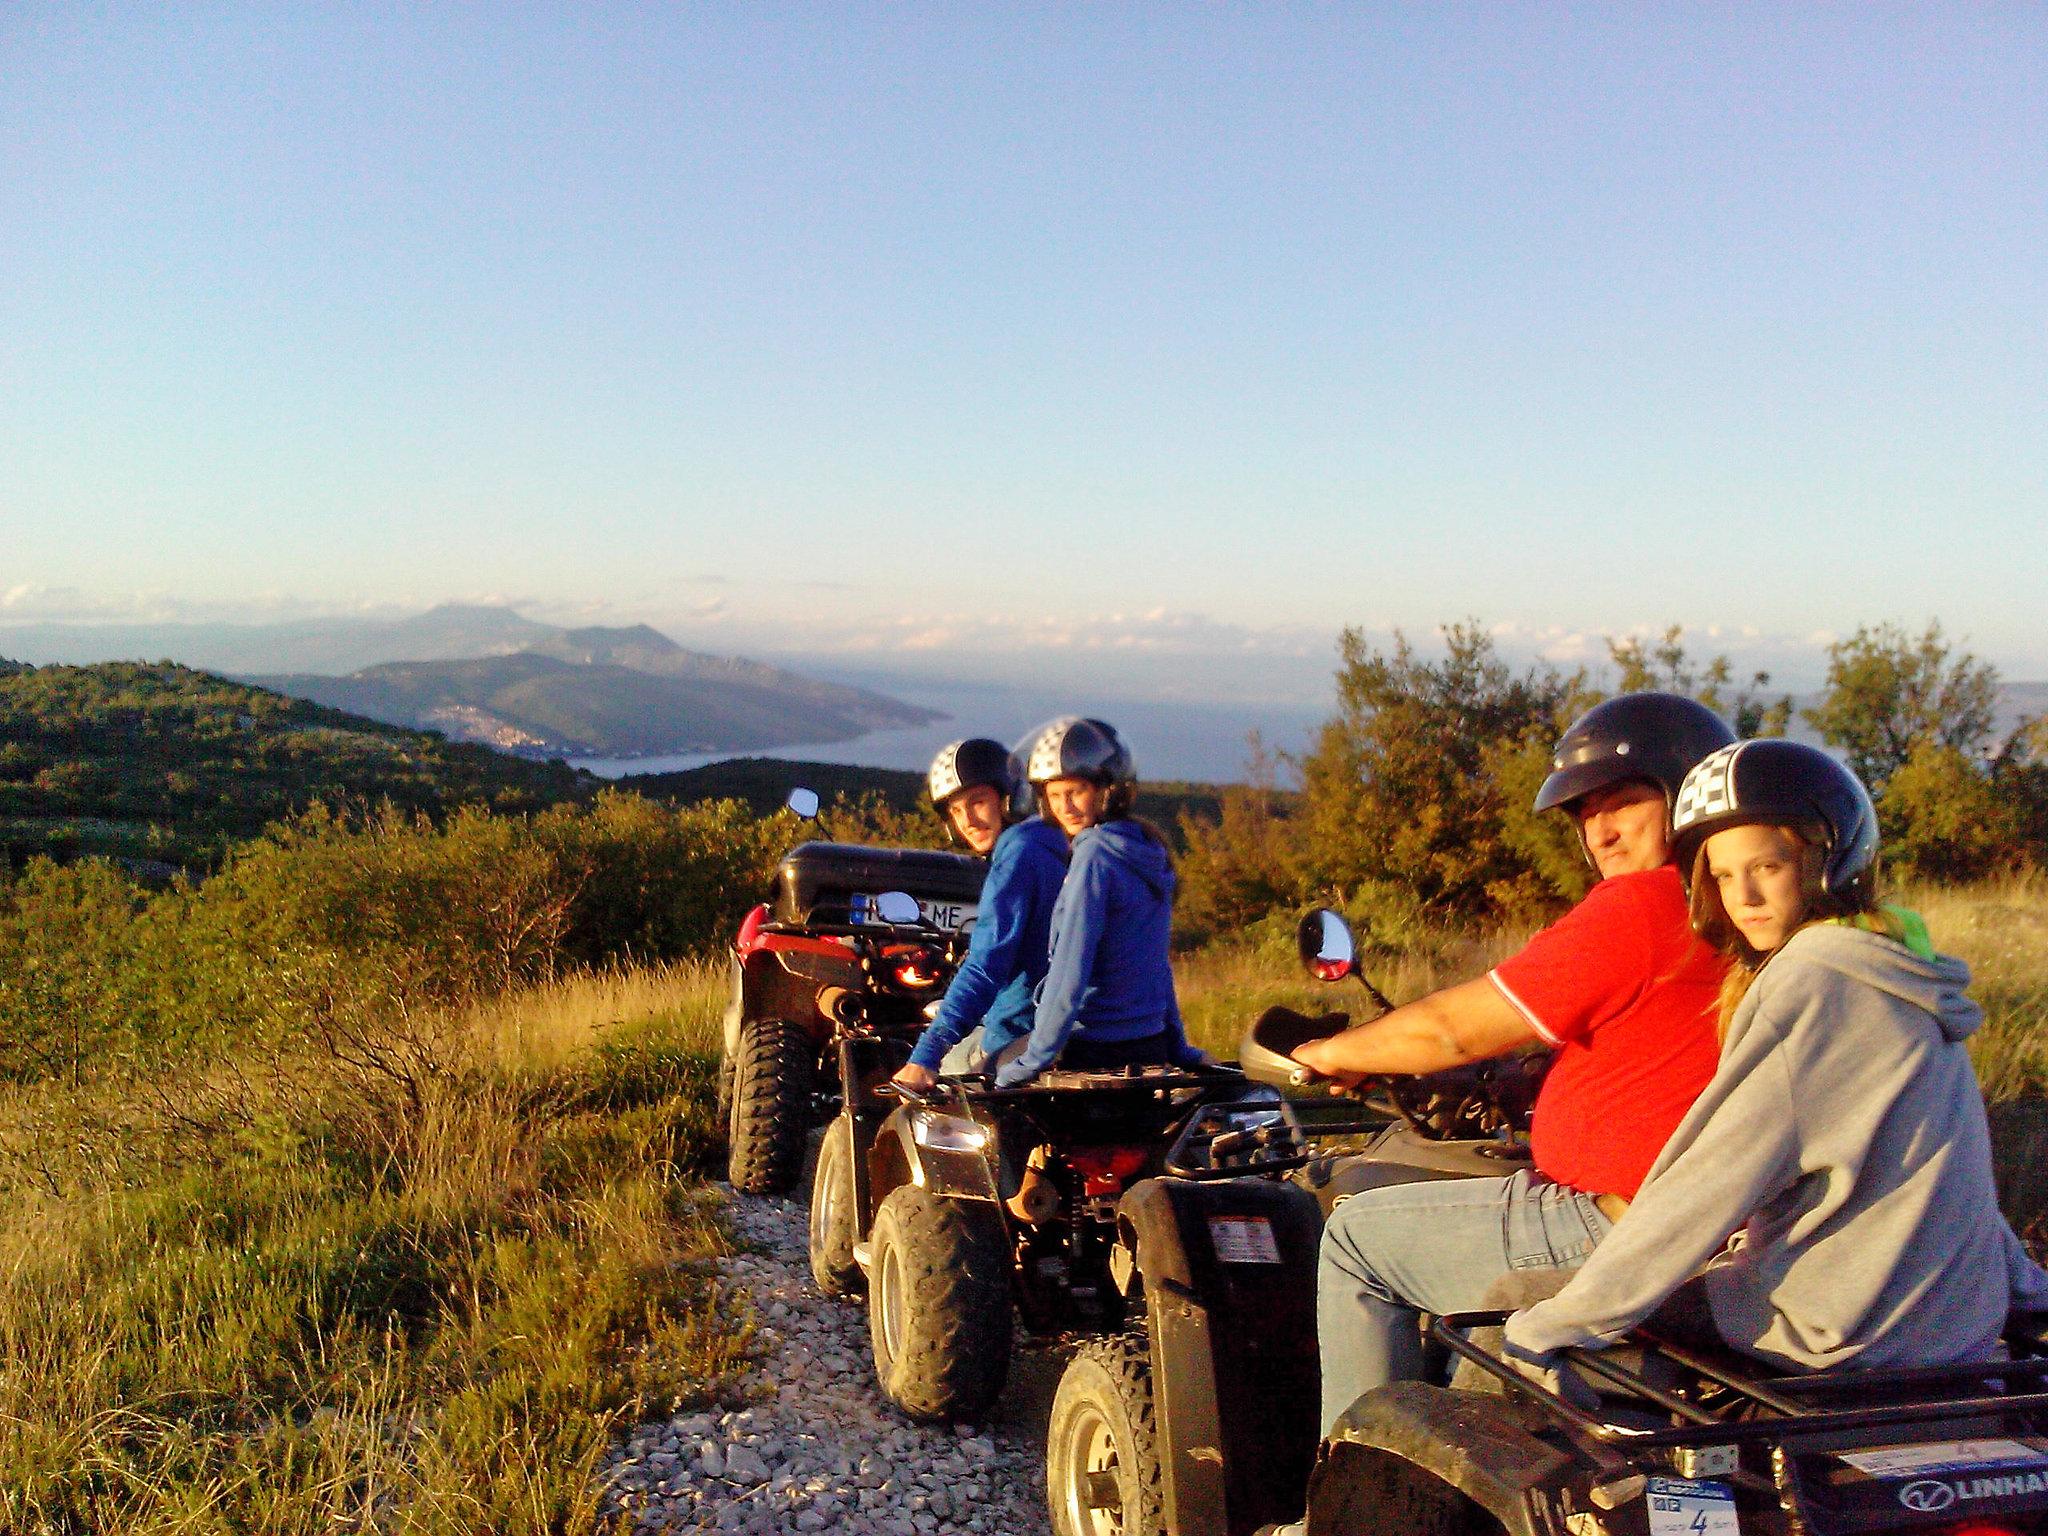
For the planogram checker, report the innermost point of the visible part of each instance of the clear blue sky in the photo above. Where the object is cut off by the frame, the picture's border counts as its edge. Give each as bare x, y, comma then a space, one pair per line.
955, 328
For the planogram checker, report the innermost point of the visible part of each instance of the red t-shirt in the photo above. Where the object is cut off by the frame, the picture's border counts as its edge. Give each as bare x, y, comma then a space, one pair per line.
1626, 993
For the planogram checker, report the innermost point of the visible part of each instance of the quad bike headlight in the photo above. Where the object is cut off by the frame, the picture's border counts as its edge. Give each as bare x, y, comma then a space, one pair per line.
947, 1133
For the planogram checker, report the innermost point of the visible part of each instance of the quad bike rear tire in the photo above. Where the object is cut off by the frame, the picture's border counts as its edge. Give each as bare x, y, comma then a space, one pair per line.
1363, 1489
833, 1265
772, 1081
1102, 1471
939, 1303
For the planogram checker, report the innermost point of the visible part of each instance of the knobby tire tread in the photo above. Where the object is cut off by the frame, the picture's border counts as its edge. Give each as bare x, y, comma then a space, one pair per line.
1122, 1393
955, 1259
833, 1267
771, 1097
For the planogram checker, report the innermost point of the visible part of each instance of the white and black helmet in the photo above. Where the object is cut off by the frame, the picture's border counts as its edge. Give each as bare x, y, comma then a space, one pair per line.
1077, 747
973, 763
1783, 783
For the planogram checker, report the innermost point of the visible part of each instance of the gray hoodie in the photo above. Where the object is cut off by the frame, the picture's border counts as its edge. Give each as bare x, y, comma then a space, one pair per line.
1844, 1134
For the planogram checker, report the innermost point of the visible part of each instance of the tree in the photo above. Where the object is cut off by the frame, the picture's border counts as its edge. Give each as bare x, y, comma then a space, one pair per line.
1666, 667
2019, 773
1403, 786
1239, 867
1943, 817
1888, 694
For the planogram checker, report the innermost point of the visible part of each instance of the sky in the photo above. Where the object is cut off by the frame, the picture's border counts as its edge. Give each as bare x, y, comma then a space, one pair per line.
1130, 341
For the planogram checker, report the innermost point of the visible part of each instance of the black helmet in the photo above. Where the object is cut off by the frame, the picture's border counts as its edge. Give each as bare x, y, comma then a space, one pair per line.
1075, 747
1652, 736
1785, 783
970, 764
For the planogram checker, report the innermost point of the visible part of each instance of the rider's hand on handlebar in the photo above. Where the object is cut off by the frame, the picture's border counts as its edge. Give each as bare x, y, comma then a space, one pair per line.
1315, 1055
917, 1079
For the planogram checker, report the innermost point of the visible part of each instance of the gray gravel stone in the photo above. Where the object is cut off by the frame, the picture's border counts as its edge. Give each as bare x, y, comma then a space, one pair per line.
817, 1447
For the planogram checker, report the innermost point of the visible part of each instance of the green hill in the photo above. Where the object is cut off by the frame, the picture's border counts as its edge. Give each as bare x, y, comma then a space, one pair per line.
624, 692
162, 764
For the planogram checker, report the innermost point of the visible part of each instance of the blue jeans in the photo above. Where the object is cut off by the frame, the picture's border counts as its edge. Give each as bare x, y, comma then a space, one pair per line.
1391, 1254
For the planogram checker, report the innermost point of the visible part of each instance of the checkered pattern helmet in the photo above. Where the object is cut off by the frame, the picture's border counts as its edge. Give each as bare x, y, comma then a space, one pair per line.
970, 764
1656, 737
1783, 783
1076, 747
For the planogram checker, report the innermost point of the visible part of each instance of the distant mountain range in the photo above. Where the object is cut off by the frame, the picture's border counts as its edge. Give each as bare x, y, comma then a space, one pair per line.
486, 674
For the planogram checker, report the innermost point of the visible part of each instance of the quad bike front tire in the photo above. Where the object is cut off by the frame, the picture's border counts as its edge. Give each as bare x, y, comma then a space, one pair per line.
725, 1077
833, 1265
1102, 1472
939, 1303
772, 1075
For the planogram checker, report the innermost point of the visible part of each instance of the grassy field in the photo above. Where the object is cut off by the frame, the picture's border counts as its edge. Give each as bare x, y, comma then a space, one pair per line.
323, 1315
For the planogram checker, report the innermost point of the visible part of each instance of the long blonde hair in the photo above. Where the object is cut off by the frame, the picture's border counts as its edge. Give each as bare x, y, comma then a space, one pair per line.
1710, 918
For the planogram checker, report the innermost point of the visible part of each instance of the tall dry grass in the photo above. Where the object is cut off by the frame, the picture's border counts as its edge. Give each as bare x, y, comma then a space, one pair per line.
2001, 929
1224, 987
284, 1327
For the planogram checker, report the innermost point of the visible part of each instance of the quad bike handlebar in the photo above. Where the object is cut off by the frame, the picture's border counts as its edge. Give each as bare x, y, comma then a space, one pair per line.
1488, 1099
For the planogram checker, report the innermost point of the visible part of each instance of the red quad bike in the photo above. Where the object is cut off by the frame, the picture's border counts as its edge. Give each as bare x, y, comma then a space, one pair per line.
1203, 1422
969, 1206
855, 945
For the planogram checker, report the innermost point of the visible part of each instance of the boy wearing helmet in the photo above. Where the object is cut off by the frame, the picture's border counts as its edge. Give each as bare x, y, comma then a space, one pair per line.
1107, 1000
1622, 991
973, 785
1843, 1134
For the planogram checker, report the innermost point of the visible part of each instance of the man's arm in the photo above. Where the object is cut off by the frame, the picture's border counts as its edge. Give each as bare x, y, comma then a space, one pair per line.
1459, 1025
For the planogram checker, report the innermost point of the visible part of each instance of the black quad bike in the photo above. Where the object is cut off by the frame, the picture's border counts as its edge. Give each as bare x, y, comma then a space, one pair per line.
1204, 1423
969, 1206
855, 943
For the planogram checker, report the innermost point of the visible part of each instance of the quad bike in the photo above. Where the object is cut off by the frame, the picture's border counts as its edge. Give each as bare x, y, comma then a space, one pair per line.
967, 1205
1204, 1423
855, 943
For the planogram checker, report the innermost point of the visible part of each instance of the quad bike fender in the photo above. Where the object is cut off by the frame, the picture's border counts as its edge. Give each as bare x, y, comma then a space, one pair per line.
901, 1155
1411, 1444
1229, 1273
735, 1009
782, 976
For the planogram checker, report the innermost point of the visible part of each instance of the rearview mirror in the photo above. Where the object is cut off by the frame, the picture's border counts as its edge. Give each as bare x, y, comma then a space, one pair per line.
803, 802
899, 909
1327, 948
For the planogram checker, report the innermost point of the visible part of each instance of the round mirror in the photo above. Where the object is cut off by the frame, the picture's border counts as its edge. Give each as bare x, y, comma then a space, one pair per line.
804, 802
899, 909
1327, 948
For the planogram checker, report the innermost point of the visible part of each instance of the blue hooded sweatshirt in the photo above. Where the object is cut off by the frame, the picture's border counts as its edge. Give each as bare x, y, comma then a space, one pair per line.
1007, 952
1109, 979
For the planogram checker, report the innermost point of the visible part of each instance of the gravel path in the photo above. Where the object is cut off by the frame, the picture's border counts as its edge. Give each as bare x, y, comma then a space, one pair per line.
818, 1447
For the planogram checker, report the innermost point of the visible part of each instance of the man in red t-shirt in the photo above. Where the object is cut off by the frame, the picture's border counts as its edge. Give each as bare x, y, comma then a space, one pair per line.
1622, 991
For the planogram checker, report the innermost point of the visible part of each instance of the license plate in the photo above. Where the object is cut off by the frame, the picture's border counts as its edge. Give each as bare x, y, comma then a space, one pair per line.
1684, 1507
948, 916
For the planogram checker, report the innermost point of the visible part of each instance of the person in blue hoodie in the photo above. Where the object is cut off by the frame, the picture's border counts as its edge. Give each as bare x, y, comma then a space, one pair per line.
1107, 999
974, 786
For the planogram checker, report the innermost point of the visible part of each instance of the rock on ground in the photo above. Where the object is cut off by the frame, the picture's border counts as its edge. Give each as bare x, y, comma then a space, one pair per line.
818, 1447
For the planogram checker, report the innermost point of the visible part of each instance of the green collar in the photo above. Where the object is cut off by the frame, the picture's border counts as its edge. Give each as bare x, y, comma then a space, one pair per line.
1907, 927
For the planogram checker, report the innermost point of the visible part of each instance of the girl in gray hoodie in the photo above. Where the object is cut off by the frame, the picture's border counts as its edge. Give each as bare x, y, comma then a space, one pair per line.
1842, 1139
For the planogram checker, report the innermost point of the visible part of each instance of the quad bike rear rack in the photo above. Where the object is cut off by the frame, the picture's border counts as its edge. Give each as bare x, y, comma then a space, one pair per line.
1756, 1408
